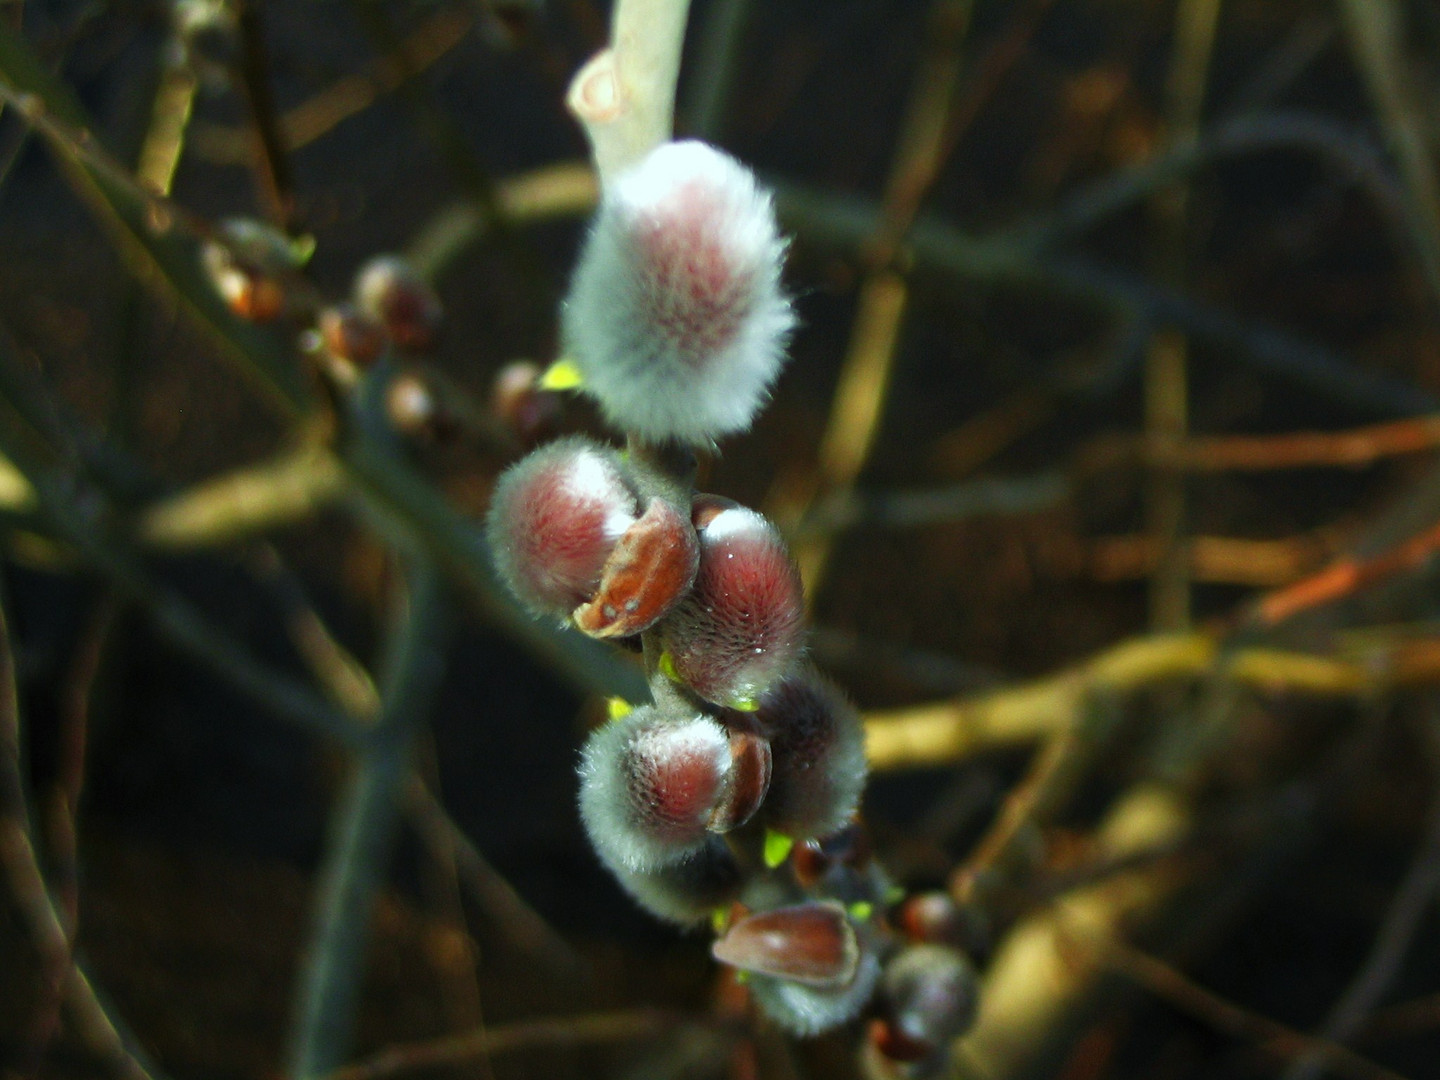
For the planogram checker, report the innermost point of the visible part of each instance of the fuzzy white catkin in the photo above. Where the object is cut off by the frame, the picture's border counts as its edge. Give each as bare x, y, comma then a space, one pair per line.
675, 317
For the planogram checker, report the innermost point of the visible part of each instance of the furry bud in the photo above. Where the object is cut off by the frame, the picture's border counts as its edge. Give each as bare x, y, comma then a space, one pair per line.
675, 317
571, 538
388, 289
740, 628
930, 994
554, 520
685, 892
653, 786
818, 745
806, 1009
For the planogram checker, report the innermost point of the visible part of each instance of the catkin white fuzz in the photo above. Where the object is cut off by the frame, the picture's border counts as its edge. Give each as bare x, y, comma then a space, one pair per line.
648, 785
675, 317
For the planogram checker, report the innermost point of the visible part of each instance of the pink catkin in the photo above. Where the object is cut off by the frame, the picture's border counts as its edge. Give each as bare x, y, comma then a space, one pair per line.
741, 627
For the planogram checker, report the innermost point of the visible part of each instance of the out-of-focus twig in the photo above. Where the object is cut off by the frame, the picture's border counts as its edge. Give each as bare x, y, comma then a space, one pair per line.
1375, 31
863, 388
1033, 981
347, 96
248, 501
1284, 1043
270, 161
593, 1029
713, 78
947, 731
1413, 900
1166, 374
520, 926
363, 829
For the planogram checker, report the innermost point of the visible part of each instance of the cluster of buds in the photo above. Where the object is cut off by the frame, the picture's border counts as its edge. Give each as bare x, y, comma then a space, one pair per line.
731, 798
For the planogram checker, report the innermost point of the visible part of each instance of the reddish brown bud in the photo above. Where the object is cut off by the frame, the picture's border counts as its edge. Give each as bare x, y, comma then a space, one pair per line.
521, 405
810, 943
741, 626
390, 291
649, 570
930, 993
350, 334
247, 262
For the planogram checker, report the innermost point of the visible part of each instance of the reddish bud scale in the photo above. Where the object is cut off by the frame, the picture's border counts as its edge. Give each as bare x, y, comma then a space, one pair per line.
647, 573
811, 943
554, 520
805, 1009
741, 626
389, 290
653, 786
819, 748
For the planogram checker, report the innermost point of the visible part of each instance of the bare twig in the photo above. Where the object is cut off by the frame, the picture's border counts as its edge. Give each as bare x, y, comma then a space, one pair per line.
1412, 902
1375, 36
594, 1029
1275, 1038
520, 926
860, 396
362, 831
270, 161
948, 731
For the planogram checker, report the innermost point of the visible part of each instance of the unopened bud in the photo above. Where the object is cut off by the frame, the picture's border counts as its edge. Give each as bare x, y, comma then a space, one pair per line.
517, 399
247, 263
653, 787
390, 291
930, 995
571, 539
806, 1009
685, 892
818, 744
349, 334
675, 317
740, 628
554, 519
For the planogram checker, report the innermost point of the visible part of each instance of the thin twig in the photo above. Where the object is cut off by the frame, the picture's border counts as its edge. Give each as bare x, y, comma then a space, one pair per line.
1375, 29
948, 731
1275, 1038
595, 1029
270, 161
363, 828
859, 402
519, 925
1413, 901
